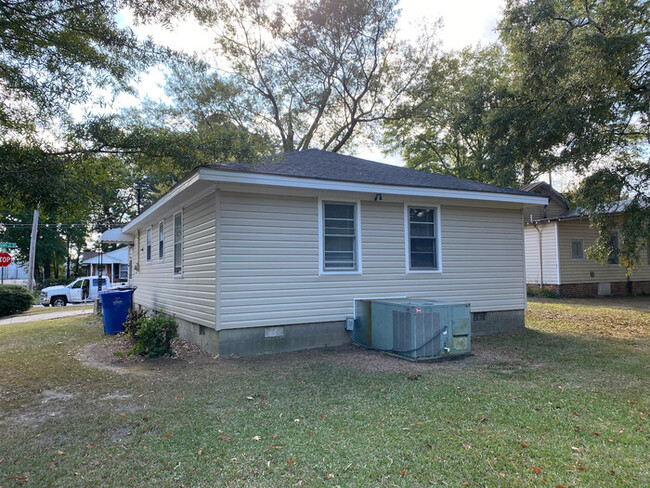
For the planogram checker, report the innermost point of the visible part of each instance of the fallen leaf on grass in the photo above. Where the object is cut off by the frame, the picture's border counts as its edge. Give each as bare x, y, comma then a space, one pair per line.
537, 470
60, 453
290, 462
524, 444
328, 476
256, 438
224, 438
560, 486
467, 446
200, 452
612, 472
169, 434
275, 436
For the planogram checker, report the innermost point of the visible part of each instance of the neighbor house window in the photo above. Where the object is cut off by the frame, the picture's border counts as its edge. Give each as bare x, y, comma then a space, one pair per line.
340, 237
178, 244
161, 241
124, 272
149, 245
422, 239
613, 242
577, 249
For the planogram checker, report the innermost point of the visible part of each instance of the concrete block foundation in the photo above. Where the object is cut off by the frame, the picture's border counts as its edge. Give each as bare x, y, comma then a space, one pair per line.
270, 340
487, 323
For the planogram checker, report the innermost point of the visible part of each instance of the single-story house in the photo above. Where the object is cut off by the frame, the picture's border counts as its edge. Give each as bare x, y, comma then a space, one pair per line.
556, 240
270, 257
114, 264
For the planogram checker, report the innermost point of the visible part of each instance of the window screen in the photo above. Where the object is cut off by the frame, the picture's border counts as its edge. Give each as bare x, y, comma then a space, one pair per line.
577, 249
613, 242
178, 243
148, 245
161, 241
423, 246
339, 236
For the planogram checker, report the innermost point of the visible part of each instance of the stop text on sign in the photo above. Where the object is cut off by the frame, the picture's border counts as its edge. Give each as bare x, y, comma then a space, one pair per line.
5, 259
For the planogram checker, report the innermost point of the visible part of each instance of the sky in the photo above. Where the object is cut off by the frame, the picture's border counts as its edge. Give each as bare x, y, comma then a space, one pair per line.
464, 23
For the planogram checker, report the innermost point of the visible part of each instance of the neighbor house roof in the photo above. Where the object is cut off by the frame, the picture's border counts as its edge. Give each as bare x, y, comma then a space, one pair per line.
117, 256
544, 188
325, 165
612, 208
314, 169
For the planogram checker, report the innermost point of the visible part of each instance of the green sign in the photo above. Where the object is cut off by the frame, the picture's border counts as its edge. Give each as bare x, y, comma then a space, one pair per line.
7, 245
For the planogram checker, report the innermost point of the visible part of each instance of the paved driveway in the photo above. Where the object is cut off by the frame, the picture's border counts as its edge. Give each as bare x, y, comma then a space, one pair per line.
59, 314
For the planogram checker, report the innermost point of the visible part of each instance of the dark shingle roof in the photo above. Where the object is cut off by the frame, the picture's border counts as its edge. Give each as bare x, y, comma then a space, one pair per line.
324, 165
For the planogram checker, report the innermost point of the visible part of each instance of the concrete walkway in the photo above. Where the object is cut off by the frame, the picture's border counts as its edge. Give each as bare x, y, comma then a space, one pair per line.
46, 316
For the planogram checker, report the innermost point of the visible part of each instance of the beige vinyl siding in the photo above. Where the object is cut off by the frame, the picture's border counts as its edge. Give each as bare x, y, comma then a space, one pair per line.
579, 270
191, 296
549, 254
554, 209
270, 267
539, 212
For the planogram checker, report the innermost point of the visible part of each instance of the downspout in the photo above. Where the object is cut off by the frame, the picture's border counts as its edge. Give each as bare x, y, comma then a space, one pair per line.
541, 270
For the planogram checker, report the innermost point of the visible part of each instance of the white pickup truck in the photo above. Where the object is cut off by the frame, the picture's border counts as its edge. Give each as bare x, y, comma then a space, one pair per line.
79, 291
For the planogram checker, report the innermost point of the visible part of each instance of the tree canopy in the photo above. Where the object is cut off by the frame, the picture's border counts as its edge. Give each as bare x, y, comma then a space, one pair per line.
566, 88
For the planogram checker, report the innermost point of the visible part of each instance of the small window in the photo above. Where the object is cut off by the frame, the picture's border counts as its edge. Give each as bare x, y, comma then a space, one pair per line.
339, 237
124, 272
148, 245
577, 249
613, 242
178, 244
76, 284
422, 239
161, 241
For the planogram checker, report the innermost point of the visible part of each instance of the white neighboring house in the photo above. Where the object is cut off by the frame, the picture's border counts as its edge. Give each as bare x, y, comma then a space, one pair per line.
114, 264
556, 242
271, 257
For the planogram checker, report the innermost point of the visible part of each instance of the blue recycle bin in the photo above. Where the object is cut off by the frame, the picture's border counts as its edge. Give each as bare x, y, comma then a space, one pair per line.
115, 307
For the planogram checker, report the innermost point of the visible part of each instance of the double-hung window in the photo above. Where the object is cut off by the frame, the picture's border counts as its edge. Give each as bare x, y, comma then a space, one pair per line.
613, 242
149, 245
423, 239
340, 237
161, 241
577, 249
178, 244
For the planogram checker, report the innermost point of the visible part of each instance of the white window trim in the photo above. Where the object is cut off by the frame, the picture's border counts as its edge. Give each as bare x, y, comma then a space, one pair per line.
583, 249
148, 245
177, 275
407, 244
161, 258
321, 237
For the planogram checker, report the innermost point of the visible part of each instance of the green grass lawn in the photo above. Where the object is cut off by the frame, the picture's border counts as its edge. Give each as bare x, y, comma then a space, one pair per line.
563, 404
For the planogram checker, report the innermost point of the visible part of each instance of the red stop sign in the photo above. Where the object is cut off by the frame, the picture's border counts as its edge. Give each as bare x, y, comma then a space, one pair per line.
5, 259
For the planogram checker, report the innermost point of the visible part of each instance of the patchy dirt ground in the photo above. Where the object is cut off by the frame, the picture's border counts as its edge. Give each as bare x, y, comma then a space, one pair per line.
112, 355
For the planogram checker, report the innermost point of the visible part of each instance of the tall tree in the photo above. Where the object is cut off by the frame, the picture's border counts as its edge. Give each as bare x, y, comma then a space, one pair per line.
569, 90
311, 74
449, 123
582, 67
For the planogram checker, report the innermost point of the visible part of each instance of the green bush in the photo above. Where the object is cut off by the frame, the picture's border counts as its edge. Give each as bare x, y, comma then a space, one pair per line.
133, 322
548, 294
14, 299
154, 335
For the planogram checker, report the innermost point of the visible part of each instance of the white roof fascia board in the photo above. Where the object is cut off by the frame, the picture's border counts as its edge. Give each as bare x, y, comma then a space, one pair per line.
183, 185
216, 175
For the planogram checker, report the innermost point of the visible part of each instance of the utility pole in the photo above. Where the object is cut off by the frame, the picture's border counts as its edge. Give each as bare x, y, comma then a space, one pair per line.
32, 252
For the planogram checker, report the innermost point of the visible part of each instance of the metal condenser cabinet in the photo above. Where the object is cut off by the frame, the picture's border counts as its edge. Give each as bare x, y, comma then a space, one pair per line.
413, 328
